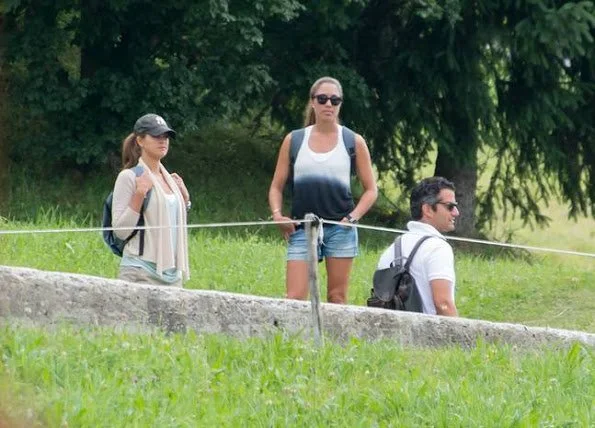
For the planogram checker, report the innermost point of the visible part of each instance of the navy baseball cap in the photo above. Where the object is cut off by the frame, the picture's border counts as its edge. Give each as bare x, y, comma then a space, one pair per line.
153, 125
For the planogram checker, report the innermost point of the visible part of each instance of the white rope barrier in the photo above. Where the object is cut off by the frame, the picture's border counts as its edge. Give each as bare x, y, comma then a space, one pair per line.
189, 226
270, 222
478, 241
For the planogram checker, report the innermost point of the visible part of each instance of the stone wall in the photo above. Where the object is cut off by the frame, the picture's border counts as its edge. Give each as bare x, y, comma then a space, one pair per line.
50, 298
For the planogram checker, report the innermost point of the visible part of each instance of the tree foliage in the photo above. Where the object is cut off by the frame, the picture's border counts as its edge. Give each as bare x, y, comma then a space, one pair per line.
458, 77
455, 78
99, 64
545, 112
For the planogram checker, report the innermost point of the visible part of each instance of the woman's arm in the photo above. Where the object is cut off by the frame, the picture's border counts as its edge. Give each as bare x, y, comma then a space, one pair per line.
126, 203
276, 190
182, 187
365, 173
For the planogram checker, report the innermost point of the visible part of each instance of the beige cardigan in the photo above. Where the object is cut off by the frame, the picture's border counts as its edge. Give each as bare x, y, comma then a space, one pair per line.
157, 245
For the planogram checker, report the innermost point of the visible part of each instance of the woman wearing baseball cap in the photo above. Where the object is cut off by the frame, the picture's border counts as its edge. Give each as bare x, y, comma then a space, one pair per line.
144, 188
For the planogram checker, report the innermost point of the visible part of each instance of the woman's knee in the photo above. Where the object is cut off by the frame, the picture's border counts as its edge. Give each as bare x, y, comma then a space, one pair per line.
337, 293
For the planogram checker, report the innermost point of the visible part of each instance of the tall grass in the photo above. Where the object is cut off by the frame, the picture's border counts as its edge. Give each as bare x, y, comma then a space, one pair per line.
101, 378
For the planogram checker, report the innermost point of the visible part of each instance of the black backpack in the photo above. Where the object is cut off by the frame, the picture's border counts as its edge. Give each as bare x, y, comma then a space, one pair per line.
113, 242
394, 287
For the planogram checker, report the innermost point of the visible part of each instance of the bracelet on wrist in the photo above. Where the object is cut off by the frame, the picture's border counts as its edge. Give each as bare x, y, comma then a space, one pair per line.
351, 219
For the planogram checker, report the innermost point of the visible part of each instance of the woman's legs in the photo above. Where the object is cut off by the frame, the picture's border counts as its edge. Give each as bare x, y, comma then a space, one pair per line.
338, 270
297, 279
339, 248
296, 274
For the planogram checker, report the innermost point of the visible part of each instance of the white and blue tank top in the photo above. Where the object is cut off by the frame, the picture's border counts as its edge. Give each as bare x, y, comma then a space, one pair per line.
322, 181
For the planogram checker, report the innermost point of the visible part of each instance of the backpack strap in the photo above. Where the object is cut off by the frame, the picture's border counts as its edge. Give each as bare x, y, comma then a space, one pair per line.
412, 254
397, 251
138, 171
349, 141
297, 137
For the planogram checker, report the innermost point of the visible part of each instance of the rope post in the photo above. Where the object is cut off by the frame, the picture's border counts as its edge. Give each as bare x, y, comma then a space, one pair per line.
312, 227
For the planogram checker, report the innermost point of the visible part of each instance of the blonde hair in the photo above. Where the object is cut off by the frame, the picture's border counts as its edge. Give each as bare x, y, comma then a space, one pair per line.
309, 117
130, 151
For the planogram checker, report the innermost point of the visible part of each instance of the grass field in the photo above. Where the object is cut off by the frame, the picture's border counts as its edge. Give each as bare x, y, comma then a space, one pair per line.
100, 377
81, 377
97, 377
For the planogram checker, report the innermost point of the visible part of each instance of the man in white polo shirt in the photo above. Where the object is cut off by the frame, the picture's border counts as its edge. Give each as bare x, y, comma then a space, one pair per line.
433, 210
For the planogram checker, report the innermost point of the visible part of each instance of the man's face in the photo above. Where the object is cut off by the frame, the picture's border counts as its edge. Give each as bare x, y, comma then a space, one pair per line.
443, 213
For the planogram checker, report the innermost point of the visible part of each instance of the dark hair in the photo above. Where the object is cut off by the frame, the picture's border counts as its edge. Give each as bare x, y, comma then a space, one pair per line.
130, 151
309, 118
426, 192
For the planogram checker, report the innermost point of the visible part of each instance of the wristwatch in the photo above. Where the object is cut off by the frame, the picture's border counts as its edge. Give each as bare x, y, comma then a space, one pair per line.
351, 219
188, 205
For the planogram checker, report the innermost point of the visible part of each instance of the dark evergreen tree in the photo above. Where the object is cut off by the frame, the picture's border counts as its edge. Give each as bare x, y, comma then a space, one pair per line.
453, 79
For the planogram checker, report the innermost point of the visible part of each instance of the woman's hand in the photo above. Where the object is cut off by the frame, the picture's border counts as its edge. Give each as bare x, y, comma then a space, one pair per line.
286, 228
143, 184
180, 183
349, 219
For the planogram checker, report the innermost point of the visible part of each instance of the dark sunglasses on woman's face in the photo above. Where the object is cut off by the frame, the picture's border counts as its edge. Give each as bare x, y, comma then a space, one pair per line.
323, 98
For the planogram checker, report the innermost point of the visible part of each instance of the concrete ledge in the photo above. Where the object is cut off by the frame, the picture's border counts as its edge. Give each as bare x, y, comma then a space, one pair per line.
48, 298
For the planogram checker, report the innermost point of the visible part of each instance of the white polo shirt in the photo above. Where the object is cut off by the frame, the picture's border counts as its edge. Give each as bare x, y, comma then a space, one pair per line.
434, 260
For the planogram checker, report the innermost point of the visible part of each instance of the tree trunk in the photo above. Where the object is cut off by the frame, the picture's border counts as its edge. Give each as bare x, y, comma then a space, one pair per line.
4, 146
464, 177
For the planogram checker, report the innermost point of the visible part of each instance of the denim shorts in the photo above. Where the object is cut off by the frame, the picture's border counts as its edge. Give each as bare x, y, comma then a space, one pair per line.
333, 241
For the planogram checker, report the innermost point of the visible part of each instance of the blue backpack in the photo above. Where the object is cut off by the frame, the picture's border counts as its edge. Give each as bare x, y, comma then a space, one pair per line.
113, 242
297, 137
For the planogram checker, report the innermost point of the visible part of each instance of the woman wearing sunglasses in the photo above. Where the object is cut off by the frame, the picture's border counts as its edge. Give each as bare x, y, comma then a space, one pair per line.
318, 160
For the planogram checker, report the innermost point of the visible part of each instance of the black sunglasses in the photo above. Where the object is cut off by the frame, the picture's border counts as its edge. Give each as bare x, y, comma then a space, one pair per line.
449, 205
323, 98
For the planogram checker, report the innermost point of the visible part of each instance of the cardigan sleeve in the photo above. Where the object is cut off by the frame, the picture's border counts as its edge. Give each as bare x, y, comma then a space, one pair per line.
122, 214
